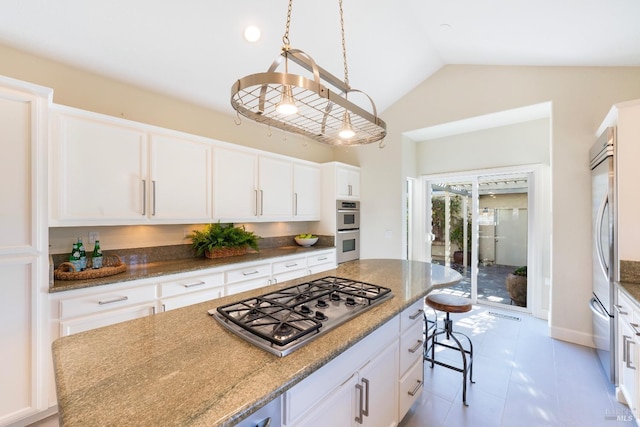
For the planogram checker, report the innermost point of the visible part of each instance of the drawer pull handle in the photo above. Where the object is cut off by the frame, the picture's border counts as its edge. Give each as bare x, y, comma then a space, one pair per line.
322, 259
619, 309
415, 390
110, 301
417, 314
416, 347
191, 285
249, 273
295, 264
635, 326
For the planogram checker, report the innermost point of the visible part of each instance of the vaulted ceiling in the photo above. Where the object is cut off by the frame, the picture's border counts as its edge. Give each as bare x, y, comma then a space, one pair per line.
195, 50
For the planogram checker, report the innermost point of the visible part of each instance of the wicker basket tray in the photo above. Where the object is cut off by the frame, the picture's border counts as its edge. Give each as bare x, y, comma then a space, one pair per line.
111, 264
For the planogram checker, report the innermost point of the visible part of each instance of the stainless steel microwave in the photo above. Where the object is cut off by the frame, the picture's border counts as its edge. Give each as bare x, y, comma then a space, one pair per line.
348, 215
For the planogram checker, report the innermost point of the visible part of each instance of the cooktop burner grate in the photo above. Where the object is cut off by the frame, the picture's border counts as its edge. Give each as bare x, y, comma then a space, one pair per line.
282, 320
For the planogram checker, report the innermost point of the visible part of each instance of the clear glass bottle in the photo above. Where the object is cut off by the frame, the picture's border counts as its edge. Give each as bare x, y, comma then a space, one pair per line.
96, 258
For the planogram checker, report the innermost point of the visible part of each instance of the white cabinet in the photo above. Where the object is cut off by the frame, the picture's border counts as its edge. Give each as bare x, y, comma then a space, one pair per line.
187, 289
248, 277
275, 188
99, 172
108, 171
411, 367
251, 187
347, 182
628, 351
358, 387
307, 191
23, 251
288, 269
180, 179
235, 192
321, 261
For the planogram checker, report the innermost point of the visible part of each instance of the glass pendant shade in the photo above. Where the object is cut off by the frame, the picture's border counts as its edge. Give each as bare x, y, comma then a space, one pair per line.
286, 106
346, 132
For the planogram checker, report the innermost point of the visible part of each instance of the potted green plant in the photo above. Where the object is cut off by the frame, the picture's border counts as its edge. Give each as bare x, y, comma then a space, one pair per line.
517, 286
219, 240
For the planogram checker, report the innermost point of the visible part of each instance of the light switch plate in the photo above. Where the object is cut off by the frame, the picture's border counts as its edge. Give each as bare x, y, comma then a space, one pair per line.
93, 236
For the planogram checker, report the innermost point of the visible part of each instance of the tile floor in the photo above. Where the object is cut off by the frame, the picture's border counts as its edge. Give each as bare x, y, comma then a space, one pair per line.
523, 378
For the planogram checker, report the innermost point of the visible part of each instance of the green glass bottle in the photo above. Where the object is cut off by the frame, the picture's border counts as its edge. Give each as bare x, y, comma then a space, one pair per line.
74, 257
83, 255
96, 258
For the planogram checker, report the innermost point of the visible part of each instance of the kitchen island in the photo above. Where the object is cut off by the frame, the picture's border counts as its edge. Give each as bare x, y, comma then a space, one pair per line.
183, 368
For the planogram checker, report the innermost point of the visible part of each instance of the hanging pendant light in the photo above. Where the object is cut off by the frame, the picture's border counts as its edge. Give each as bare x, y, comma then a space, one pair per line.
306, 105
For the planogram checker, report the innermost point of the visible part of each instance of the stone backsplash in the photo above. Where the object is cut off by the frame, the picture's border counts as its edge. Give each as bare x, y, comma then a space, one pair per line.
175, 252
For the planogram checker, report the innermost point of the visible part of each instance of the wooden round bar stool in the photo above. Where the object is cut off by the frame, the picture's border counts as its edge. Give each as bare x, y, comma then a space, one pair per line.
449, 304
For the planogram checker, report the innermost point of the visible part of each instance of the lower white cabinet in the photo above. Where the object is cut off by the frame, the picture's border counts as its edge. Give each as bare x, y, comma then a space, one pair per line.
321, 261
628, 351
187, 289
248, 277
358, 387
411, 366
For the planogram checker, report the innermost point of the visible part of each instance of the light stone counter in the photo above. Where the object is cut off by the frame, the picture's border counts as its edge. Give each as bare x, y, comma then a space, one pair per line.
183, 368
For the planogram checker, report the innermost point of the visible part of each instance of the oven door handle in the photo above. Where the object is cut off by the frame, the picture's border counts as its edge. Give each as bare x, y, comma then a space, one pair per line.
355, 230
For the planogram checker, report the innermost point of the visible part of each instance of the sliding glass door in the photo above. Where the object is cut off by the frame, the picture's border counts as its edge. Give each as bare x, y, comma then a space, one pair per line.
480, 227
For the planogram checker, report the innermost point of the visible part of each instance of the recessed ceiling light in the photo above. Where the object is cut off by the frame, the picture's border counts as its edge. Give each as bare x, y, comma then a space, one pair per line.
252, 33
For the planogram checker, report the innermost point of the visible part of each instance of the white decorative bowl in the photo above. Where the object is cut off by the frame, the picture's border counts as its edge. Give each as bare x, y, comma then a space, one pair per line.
306, 242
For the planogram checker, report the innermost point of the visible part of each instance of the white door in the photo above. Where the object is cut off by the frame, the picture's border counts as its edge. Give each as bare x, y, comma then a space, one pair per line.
235, 191
307, 189
276, 188
100, 172
180, 180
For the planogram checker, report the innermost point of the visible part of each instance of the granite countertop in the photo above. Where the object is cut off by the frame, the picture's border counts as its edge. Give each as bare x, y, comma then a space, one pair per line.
183, 368
139, 269
631, 289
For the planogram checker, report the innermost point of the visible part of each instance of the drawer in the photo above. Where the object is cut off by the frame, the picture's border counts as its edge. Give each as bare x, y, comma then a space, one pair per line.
411, 347
411, 315
186, 285
97, 303
328, 257
411, 386
250, 272
626, 307
191, 298
86, 323
288, 265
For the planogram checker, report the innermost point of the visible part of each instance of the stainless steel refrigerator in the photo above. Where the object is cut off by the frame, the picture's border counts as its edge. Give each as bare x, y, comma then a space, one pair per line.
604, 256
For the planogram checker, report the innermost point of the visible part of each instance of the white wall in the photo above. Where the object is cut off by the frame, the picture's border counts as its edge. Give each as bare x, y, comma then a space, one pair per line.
581, 97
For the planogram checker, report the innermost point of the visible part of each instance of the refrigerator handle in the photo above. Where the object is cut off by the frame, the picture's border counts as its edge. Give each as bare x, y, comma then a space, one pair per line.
597, 309
599, 220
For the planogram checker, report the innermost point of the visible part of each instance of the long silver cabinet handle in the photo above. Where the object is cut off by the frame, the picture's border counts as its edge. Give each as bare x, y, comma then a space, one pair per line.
153, 194
295, 204
624, 348
415, 390
418, 314
144, 197
191, 285
249, 273
361, 392
365, 412
111, 301
256, 197
261, 202
629, 363
416, 347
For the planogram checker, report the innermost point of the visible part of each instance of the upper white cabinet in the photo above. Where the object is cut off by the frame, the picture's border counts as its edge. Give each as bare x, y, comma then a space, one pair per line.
108, 171
180, 175
347, 182
23, 251
307, 190
235, 192
251, 187
99, 171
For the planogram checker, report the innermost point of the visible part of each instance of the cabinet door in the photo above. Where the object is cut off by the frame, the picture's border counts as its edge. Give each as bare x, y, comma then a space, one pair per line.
380, 388
336, 409
347, 182
100, 173
276, 188
307, 191
235, 191
180, 188
18, 336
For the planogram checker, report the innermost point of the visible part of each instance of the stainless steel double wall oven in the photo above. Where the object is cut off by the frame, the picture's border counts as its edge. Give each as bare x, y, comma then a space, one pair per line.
347, 230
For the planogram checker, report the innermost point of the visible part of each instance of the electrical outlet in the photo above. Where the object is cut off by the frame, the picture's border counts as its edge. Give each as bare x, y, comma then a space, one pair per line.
185, 232
93, 236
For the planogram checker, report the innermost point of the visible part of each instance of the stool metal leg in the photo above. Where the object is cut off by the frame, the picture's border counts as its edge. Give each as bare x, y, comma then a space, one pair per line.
467, 364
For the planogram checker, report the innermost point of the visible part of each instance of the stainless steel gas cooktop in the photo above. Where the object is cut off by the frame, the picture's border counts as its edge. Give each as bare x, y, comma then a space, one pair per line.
284, 320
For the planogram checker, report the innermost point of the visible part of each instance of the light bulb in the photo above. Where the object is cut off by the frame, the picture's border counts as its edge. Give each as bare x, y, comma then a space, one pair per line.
346, 132
286, 106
